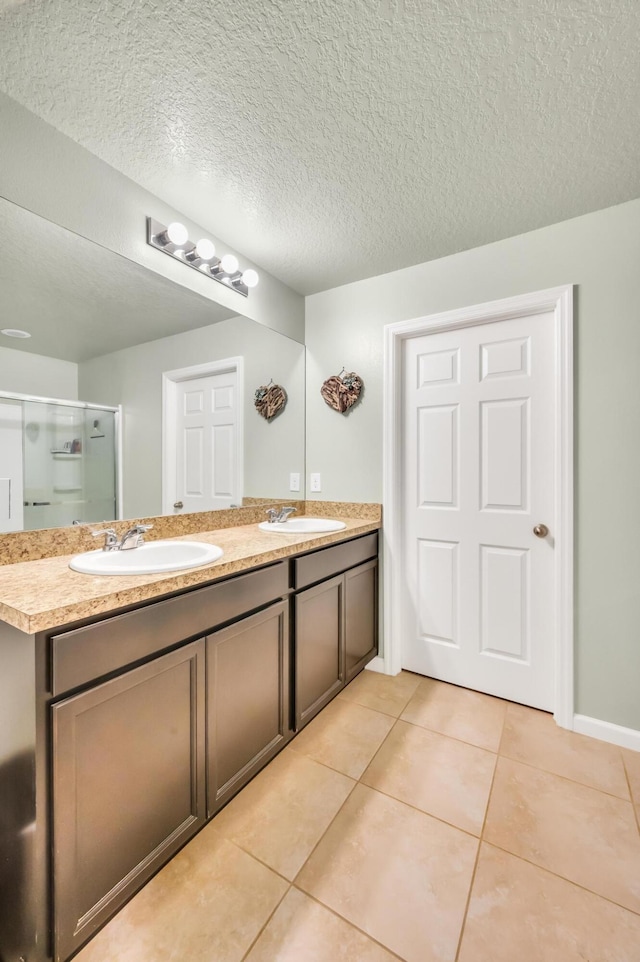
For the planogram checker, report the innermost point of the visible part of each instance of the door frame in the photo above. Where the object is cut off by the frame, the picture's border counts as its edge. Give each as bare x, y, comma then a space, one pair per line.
559, 300
170, 380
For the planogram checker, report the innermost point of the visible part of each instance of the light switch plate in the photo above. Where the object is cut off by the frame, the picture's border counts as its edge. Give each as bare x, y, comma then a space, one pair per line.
294, 481
315, 482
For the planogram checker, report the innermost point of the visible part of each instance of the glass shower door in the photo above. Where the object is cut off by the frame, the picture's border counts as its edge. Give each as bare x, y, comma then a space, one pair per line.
69, 469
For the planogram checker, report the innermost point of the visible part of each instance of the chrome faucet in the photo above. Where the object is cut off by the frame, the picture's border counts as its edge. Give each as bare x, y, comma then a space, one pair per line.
277, 517
111, 542
132, 538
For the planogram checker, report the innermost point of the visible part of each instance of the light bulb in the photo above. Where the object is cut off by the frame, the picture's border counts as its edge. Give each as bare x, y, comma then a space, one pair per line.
177, 233
229, 264
205, 249
250, 278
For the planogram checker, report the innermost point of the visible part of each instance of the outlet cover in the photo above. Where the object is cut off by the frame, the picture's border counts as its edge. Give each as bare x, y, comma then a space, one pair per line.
294, 481
315, 484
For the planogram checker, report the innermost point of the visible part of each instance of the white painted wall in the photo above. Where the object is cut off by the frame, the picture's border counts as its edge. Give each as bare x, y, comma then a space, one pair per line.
600, 254
133, 378
25, 373
51, 175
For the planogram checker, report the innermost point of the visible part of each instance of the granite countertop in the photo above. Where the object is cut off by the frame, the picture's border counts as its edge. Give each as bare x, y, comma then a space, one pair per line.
43, 594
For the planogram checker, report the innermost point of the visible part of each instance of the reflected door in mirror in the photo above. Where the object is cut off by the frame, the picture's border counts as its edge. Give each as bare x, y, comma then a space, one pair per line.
207, 420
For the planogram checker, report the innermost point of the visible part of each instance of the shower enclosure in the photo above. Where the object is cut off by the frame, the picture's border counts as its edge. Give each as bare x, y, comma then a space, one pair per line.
58, 462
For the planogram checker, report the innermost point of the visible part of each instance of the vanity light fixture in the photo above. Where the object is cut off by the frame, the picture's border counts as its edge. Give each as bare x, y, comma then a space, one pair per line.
174, 240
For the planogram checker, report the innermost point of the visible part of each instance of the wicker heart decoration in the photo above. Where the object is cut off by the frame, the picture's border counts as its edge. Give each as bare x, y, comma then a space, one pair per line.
269, 400
342, 391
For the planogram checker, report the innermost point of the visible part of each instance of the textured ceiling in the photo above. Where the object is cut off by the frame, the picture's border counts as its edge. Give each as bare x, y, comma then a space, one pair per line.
78, 300
337, 139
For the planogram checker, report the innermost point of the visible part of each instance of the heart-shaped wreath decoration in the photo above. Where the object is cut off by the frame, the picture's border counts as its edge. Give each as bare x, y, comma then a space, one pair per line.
342, 391
269, 400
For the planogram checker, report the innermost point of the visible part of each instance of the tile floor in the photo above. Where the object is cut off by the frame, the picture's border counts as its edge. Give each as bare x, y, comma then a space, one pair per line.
410, 820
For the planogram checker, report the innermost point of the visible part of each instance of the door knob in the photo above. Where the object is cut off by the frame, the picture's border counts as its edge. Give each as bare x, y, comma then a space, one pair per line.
178, 504
540, 530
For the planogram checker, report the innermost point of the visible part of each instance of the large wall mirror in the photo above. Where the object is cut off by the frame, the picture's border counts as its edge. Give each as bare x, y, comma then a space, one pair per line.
104, 331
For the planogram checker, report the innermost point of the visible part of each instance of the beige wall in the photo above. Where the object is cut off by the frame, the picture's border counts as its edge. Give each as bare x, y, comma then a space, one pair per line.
600, 254
23, 373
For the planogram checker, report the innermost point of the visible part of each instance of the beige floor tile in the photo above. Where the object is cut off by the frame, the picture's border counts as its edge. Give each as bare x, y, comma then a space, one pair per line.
396, 873
575, 831
208, 904
386, 693
632, 765
281, 814
439, 775
519, 911
344, 736
468, 715
305, 931
533, 737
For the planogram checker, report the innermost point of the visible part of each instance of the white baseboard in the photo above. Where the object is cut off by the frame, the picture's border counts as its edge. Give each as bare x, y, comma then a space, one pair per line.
376, 664
607, 732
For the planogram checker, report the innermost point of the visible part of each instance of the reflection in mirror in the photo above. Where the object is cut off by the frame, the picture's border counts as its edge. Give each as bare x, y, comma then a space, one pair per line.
57, 464
104, 330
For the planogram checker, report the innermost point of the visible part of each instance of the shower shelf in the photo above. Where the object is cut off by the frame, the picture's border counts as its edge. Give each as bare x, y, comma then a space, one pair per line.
65, 455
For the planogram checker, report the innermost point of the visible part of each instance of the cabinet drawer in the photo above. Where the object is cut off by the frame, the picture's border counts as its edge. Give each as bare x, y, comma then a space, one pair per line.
330, 561
86, 653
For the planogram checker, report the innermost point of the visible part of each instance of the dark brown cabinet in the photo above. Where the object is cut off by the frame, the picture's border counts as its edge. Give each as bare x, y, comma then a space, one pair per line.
132, 730
336, 622
128, 787
361, 617
248, 700
319, 621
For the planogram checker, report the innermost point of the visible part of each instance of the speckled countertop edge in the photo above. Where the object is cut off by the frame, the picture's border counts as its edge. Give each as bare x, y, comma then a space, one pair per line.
44, 594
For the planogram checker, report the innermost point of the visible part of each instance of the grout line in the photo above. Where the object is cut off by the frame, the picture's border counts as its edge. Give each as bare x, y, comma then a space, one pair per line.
271, 914
566, 778
349, 922
395, 798
475, 867
376, 753
388, 714
255, 857
454, 738
297, 875
636, 808
421, 811
563, 878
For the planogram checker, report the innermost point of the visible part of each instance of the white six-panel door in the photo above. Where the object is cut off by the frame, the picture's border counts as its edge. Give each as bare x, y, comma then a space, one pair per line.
206, 442
202, 436
479, 606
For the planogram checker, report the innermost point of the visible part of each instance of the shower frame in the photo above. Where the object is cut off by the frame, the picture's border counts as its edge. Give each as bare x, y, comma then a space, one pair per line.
87, 406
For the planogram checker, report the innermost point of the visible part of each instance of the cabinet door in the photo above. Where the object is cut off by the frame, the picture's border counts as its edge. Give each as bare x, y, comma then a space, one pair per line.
319, 653
128, 787
361, 617
248, 699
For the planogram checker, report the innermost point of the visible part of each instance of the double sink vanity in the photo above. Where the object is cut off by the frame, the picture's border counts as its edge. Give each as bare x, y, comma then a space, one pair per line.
134, 706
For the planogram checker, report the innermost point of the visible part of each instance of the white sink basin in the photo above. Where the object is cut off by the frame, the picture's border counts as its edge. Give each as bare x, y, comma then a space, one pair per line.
302, 526
147, 559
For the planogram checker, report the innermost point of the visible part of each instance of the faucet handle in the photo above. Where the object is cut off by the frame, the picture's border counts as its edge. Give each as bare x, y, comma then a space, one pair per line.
110, 538
272, 515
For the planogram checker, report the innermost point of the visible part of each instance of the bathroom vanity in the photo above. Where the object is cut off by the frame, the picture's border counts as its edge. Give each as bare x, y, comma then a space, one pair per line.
126, 731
